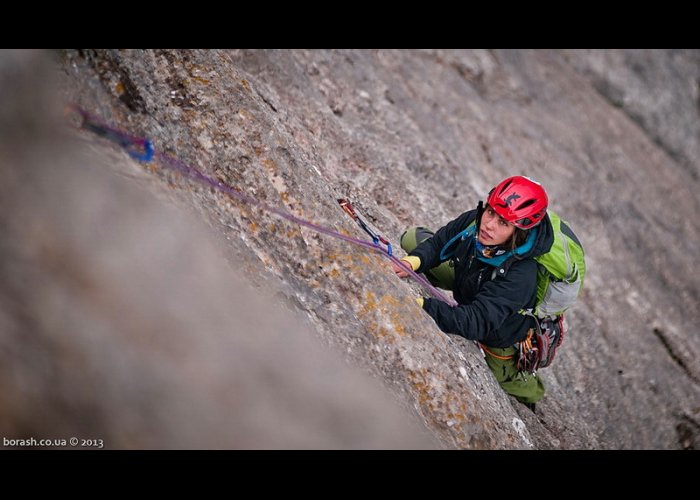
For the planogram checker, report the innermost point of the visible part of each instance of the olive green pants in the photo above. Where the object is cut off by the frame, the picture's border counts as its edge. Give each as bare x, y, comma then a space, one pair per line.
526, 387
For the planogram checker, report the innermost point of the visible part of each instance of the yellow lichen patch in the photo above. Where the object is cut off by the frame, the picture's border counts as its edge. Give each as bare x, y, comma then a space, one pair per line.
285, 196
195, 70
333, 273
457, 403
252, 226
343, 260
384, 334
389, 301
338, 257
268, 163
398, 327
370, 302
203, 81
422, 389
245, 84
447, 404
391, 306
368, 311
119, 88
456, 417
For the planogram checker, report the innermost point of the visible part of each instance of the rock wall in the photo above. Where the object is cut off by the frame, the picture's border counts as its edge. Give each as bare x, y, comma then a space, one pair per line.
417, 137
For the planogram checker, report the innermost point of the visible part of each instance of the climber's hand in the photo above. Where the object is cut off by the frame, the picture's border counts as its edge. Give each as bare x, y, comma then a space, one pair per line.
401, 271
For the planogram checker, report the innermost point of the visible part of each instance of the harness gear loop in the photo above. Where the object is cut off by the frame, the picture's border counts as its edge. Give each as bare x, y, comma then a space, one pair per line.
491, 353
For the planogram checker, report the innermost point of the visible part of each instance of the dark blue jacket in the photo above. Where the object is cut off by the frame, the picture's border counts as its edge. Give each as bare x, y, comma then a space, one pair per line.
488, 308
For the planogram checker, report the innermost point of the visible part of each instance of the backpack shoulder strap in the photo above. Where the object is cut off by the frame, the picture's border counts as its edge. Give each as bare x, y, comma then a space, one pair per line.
447, 250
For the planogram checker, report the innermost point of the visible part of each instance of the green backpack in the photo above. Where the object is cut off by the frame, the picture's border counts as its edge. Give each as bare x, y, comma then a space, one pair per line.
559, 281
561, 271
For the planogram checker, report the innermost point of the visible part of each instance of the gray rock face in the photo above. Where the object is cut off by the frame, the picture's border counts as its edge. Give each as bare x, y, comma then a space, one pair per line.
417, 137
123, 324
658, 90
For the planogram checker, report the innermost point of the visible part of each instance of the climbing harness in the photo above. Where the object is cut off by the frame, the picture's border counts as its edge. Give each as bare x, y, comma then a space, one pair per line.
142, 150
484, 348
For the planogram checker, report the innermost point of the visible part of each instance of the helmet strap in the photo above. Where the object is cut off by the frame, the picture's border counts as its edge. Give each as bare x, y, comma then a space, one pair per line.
479, 212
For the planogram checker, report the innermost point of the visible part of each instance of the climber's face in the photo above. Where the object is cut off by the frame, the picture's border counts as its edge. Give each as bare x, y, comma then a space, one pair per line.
494, 229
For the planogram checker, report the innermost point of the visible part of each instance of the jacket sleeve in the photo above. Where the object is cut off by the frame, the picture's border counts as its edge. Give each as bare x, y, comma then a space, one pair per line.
496, 301
429, 250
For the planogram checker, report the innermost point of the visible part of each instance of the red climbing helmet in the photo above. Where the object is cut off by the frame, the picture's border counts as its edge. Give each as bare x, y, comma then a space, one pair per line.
519, 200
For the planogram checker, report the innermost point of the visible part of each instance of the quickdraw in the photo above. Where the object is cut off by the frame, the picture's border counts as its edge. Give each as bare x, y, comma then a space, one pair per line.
376, 238
528, 353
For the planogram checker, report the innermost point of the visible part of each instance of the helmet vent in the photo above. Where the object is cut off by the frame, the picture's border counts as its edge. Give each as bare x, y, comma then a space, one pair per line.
504, 187
525, 204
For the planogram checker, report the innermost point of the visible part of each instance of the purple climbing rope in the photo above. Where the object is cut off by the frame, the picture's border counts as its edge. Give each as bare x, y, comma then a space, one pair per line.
142, 149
